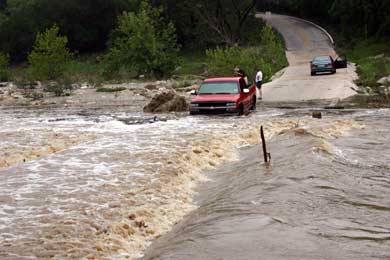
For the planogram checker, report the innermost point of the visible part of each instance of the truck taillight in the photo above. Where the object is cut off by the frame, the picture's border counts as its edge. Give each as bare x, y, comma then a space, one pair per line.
312, 65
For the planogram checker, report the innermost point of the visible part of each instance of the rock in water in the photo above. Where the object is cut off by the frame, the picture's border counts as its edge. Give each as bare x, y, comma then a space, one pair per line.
317, 115
384, 80
167, 101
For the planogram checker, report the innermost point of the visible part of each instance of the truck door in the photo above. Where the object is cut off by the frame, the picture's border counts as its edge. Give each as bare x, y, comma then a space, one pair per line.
341, 62
246, 97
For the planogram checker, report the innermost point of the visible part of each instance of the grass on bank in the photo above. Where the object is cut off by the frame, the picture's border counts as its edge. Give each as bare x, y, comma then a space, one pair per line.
192, 65
372, 58
268, 55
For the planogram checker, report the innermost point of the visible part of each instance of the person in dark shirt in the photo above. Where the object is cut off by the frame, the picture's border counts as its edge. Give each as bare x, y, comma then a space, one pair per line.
239, 72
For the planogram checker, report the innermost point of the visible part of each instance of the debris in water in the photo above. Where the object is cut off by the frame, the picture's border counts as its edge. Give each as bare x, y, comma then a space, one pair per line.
141, 224
167, 102
317, 115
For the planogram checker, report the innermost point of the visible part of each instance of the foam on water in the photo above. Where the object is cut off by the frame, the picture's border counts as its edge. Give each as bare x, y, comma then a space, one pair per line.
107, 189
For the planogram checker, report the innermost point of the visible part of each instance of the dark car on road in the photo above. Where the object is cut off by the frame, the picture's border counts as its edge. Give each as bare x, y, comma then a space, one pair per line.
323, 64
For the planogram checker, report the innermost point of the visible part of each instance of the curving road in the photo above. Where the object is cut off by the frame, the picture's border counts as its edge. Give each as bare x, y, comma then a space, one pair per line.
304, 41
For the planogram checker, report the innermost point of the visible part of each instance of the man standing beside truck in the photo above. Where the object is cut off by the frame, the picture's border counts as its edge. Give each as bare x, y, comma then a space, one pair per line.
259, 82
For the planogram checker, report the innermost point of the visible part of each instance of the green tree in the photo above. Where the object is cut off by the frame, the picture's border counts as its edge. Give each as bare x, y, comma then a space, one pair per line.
269, 57
207, 23
86, 23
362, 17
273, 49
225, 18
143, 43
49, 56
354, 18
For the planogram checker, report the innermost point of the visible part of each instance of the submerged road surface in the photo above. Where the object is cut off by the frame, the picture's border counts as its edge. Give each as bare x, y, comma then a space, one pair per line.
324, 197
303, 42
325, 194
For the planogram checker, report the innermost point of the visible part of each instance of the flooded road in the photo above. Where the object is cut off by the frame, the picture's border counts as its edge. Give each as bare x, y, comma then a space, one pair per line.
105, 184
324, 196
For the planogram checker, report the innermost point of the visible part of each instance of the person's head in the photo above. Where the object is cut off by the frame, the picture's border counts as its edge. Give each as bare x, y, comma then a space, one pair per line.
236, 69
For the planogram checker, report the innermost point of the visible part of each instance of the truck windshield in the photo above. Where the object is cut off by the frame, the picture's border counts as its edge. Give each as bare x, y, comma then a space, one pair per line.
219, 88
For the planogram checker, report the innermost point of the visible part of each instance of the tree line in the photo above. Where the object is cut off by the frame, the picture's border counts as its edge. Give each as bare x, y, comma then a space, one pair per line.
86, 23
89, 24
352, 18
145, 36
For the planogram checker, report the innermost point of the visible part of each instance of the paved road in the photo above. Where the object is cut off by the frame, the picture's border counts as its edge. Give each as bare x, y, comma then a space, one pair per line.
304, 41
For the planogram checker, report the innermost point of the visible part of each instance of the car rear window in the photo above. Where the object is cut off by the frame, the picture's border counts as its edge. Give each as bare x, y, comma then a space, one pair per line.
322, 58
219, 88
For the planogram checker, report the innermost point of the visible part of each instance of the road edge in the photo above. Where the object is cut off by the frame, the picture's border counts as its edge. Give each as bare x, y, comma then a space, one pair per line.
259, 14
318, 27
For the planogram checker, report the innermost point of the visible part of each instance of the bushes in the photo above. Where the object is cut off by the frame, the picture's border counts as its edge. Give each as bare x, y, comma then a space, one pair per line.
370, 70
49, 56
269, 57
143, 43
4, 62
61, 88
373, 59
273, 48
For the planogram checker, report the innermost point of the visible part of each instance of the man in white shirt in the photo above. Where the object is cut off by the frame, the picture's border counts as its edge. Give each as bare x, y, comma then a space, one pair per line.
259, 82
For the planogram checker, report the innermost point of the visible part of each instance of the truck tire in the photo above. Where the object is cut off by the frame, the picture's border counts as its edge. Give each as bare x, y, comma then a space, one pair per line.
254, 100
240, 110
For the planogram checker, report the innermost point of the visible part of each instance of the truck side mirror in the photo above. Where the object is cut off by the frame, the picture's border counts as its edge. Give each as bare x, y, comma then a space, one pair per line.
245, 91
194, 92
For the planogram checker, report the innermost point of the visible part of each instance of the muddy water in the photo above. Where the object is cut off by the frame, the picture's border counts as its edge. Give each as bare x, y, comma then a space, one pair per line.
105, 184
325, 196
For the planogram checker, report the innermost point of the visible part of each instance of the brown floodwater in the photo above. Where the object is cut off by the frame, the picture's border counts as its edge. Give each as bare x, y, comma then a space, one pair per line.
108, 184
324, 196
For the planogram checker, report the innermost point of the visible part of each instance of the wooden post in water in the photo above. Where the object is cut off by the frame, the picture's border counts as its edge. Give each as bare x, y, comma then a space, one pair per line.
266, 155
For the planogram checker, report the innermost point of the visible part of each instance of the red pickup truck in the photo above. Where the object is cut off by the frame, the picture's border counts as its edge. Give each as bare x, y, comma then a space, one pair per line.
223, 95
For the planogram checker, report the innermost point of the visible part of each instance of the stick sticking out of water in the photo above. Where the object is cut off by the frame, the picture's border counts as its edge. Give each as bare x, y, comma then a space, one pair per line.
267, 156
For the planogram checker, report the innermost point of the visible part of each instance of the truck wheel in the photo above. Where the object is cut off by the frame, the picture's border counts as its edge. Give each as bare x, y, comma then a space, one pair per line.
240, 110
253, 107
